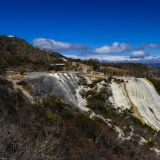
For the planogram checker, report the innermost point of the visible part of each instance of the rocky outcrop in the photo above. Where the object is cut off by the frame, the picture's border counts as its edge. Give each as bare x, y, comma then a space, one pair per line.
140, 96
135, 94
118, 135
63, 85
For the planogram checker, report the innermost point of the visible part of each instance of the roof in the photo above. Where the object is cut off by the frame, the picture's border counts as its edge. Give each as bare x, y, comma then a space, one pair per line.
58, 64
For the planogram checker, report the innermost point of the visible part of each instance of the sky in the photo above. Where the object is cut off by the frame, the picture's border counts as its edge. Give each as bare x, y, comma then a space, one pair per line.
113, 30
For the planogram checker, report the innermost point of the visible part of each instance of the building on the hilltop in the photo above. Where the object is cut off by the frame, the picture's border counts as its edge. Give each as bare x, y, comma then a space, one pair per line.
57, 66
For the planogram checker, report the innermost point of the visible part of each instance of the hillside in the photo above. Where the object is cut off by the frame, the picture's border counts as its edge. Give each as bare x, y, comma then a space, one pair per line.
88, 110
130, 69
16, 52
57, 125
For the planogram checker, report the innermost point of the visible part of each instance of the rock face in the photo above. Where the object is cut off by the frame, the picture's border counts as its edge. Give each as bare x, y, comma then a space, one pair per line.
139, 94
146, 101
90, 136
136, 94
62, 85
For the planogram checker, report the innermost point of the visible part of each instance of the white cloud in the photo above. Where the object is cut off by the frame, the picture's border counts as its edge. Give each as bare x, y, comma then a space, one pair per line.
151, 45
152, 58
139, 54
116, 58
116, 47
101, 53
101, 57
50, 44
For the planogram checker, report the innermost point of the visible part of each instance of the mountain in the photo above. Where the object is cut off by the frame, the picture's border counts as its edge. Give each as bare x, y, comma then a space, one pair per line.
156, 65
15, 52
131, 69
88, 110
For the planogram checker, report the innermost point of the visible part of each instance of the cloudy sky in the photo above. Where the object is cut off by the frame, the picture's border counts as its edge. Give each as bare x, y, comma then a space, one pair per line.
113, 30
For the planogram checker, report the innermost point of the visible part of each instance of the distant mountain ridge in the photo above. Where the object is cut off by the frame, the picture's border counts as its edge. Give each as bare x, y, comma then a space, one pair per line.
156, 65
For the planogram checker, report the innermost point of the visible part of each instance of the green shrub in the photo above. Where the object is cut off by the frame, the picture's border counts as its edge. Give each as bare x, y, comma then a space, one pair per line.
52, 100
138, 122
94, 83
21, 71
53, 117
150, 144
156, 84
25, 85
81, 120
86, 125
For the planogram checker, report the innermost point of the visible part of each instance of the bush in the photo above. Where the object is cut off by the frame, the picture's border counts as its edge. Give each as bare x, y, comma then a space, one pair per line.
21, 71
156, 84
95, 63
138, 122
86, 125
52, 100
150, 144
53, 117
25, 85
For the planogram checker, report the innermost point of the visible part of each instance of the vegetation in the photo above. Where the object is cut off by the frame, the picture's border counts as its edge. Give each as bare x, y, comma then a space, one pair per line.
94, 83
130, 69
51, 129
156, 83
17, 52
21, 70
94, 63
151, 144
53, 117
98, 101
137, 122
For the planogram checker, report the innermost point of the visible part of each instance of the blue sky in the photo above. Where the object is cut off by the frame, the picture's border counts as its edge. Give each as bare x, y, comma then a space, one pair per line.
105, 29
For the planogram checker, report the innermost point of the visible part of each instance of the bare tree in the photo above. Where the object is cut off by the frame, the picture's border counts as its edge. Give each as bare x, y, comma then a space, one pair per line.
18, 144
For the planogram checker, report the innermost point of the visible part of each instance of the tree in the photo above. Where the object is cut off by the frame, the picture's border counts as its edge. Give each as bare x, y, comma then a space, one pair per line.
95, 63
